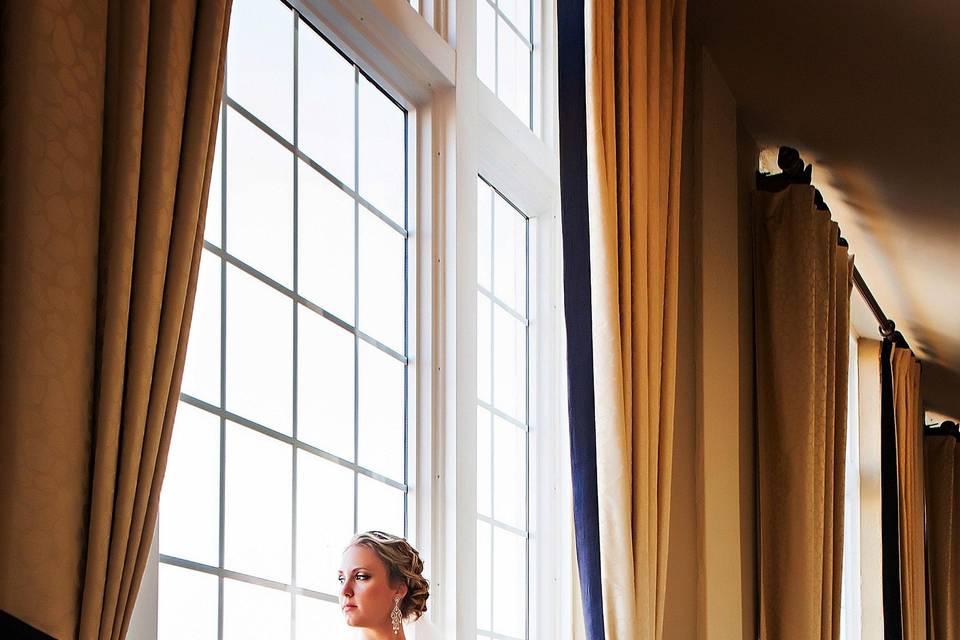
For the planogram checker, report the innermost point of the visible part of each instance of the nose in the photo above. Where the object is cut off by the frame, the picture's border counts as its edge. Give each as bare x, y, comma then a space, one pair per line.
346, 589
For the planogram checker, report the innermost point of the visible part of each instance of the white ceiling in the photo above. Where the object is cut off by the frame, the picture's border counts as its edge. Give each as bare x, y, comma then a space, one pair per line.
870, 94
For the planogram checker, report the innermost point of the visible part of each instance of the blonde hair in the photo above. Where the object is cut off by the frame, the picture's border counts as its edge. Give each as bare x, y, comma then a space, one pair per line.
403, 566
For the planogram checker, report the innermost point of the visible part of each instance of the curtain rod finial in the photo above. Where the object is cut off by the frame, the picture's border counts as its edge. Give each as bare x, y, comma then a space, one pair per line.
888, 329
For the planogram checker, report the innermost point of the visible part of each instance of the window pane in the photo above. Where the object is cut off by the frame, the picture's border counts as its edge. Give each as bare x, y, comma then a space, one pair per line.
213, 227
381, 412
259, 352
252, 612
190, 499
509, 364
259, 200
502, 451
484, 463
299, 335
510, 596
518, 12
484, 311
260, 62
187, 604
486, 44
326, 222
379, 507
382, 153
258, 510
320, 620
510, 480
382, 278
324, 521
484, 579
326, 107
325, 384
201, 373
513, 71
484, 220
509, 256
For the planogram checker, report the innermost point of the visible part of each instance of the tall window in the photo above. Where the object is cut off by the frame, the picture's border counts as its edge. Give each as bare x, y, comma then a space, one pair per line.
505, 60
503, 490
851, 603
292, 431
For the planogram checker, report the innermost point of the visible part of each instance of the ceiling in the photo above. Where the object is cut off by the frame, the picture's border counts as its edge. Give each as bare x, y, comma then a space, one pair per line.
870, 94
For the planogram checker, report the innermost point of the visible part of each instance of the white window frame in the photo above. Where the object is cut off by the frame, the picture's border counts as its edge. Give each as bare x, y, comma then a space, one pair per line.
458, 129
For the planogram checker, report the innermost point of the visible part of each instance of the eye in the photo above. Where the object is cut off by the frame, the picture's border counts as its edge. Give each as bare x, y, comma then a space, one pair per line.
341, 579
362, 576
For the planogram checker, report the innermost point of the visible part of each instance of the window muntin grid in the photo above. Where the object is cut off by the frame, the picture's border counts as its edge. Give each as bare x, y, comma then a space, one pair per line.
288, 324
505, 53
503, 422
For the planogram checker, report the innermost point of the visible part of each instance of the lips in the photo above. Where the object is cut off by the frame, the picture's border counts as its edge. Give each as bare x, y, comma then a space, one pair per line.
348, 607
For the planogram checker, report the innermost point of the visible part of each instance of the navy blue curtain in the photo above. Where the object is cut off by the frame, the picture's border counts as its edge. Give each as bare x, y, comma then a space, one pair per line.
890, 494
577, 307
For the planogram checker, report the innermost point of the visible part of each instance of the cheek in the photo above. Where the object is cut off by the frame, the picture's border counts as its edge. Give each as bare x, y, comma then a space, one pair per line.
375, 599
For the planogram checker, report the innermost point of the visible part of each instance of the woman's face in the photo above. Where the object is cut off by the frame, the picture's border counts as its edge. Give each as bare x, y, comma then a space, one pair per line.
366, 596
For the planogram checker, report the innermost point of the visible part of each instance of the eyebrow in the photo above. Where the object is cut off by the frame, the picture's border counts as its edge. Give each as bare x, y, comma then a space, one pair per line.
354, 570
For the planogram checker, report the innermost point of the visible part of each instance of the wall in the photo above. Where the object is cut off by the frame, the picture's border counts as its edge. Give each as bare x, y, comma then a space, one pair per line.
723, 368
682, 564
941, 389
747, 153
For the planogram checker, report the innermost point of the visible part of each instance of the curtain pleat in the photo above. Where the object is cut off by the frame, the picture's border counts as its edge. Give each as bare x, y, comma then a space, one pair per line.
909, 431
942, 475
111, 109
634, 118
802, 283
620, 137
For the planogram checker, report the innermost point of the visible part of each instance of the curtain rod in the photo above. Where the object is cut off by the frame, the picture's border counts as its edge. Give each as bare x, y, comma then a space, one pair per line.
887, 326
794, 172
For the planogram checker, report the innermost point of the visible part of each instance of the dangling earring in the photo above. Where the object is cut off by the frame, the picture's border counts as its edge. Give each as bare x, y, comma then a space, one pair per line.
395, 615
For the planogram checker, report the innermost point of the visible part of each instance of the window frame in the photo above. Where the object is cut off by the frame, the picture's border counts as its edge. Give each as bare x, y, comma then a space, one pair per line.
459, 130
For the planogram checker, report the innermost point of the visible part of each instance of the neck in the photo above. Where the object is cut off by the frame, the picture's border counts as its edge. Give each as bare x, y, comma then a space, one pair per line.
385, 633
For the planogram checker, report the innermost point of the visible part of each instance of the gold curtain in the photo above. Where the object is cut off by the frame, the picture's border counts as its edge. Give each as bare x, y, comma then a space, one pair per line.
802, 282
109, 113
635, 61
942, 471
909, 420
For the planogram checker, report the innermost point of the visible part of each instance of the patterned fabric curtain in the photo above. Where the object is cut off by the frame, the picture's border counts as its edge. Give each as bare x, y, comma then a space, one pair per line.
802, 284
109, 113
621, 111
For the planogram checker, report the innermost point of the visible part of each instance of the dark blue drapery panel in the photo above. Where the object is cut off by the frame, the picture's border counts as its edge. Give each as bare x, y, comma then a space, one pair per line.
890, 496
577, 308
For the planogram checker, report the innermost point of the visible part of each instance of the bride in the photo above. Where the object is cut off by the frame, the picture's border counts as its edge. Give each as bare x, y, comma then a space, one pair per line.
383, 593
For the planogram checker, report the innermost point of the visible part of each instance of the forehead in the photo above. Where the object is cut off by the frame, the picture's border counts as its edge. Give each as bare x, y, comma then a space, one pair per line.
360, 556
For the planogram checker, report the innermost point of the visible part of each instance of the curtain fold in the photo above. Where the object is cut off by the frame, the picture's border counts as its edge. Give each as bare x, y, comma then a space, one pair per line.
109, 112
634, 120
942, 476
908, 416
620, 183
802, 284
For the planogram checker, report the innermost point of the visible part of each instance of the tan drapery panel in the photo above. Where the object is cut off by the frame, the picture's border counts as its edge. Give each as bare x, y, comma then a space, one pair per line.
635, 61
942, 471
109, 111
802, 282
909, 420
